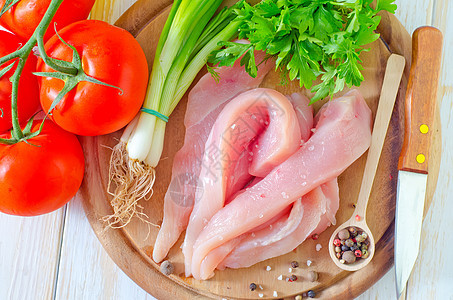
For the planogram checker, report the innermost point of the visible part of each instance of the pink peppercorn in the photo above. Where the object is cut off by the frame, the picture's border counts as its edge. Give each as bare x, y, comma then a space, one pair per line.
315, 236
358, 253
337, 242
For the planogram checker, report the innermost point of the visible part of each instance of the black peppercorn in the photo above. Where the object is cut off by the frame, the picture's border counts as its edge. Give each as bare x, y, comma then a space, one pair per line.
294, 264
252, 286
311, 294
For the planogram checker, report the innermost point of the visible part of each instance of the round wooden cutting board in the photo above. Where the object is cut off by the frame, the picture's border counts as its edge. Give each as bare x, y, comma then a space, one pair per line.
131, 247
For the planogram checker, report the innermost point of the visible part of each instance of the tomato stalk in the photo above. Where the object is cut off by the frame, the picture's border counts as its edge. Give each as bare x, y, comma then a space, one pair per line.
20, 56
70, 72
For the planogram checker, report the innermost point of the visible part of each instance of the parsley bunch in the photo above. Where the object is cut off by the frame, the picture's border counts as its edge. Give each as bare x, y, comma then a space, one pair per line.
308, 38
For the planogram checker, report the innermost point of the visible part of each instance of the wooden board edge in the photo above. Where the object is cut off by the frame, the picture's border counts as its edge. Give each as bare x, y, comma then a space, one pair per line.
140, 14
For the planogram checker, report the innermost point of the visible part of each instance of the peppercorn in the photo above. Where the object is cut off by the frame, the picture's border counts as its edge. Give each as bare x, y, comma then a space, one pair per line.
364, 247
338, 255
365, 253
315, 236
358, 253
343, 234
252, 286
354, 247
349, 243
364, 235
311, 294
298, 297
312, 276
293, 278
337, 249
352, 230
349, 257
166, 267
337, 242
360, 238
344, 248
294, 264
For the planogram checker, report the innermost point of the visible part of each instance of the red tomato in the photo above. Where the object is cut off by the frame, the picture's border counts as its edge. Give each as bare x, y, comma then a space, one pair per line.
109, 54
41, 176
28, 97
24, 17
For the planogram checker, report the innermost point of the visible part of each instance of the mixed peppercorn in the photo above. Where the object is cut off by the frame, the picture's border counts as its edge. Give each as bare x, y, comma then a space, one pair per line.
311, 276
350, 245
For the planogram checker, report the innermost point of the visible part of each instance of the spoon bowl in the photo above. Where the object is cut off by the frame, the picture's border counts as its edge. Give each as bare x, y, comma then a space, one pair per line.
362, 262
392, 78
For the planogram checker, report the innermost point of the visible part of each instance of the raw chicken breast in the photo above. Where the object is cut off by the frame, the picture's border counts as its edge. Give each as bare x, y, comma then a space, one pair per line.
342, 134
316, 205
304, 112
263, 115
208, 94
206, 101
281, 225
258, 238
252, 250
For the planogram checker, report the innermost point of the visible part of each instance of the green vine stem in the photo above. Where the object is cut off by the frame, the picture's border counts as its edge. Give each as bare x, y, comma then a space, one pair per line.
22, 55
70, 72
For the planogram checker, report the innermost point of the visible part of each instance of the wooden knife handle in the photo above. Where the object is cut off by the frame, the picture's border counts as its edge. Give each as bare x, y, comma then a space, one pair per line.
421, 98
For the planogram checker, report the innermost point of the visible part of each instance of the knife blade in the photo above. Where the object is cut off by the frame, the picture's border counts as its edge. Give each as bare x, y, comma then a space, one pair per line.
421, 97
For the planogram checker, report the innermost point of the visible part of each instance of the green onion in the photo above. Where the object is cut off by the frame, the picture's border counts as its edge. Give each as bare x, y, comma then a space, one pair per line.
189, 36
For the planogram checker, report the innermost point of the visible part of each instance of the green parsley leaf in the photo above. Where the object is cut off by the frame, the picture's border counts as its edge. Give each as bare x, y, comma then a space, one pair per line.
308, 39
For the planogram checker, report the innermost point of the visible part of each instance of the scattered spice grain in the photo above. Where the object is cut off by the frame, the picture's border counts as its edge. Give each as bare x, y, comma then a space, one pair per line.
167, 268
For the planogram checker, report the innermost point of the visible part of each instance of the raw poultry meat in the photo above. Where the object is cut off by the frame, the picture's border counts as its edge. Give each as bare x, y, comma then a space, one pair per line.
316, 206
206, 101
277, 228
286, 230
286, 225
342, 134
260, 116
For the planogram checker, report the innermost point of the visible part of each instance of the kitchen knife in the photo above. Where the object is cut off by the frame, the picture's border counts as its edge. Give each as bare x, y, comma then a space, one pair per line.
421, 97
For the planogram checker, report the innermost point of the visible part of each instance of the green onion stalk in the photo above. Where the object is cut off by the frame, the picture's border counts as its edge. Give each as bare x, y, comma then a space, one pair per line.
189, 36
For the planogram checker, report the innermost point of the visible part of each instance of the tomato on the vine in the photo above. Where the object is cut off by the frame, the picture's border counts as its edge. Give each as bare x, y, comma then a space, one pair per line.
24, 16
28, 94
109, 54
42, 174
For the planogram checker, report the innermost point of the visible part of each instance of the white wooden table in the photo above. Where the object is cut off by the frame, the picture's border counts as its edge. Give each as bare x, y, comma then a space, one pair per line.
57, 256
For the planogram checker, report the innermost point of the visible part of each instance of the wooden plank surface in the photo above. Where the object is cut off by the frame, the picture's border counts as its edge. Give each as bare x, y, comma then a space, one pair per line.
85, 270
29, 247
29, 251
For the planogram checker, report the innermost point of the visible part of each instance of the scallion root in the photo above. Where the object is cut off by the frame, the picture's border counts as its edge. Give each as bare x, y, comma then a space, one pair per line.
133, 181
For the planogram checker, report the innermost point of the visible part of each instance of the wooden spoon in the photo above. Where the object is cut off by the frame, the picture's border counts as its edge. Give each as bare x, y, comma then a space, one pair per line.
392, 78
